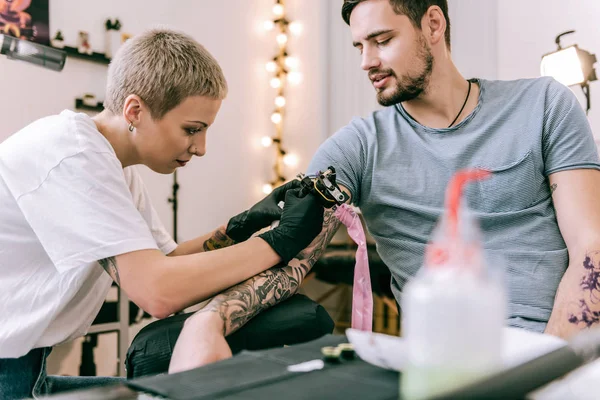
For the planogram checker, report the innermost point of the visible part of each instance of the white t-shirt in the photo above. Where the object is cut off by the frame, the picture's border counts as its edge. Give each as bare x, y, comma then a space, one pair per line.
65, 203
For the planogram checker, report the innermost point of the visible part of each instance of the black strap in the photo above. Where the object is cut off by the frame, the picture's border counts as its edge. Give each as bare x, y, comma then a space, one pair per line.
463, 106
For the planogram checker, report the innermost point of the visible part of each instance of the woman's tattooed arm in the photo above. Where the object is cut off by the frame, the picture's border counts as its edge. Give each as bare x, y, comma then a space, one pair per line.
242, 302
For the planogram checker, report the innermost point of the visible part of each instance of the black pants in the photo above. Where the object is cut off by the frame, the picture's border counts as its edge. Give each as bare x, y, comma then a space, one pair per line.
296, 320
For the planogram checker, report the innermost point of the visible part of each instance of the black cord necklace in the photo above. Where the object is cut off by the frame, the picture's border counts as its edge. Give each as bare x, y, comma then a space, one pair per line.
463, 106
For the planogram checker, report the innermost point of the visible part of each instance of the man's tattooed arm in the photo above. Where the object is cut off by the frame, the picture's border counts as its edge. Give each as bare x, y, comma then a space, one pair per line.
577, 302
586, 312
242, 302
110, 266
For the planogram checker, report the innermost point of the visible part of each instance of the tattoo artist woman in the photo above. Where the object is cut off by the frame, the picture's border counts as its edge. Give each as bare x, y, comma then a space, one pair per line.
70, 202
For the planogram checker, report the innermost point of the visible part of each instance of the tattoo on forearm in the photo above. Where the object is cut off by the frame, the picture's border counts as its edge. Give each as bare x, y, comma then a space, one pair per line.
553, 188
110, 266
590, 285
239, 304
218, 240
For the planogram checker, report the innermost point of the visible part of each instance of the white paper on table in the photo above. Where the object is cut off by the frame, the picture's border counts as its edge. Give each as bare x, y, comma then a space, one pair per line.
384, 351
519, 346
389, 352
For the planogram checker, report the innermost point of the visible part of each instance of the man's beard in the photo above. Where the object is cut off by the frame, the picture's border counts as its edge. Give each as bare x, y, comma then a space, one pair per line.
409, 87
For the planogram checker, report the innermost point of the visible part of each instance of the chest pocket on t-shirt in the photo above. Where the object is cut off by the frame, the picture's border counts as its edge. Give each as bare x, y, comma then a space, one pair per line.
512, 187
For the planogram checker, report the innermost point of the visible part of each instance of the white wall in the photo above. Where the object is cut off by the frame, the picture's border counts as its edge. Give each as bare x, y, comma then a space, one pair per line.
474, 37
526, 31
350, 93
229, 178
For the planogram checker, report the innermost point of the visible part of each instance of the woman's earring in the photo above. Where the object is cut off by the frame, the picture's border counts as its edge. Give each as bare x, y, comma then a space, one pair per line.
130, 127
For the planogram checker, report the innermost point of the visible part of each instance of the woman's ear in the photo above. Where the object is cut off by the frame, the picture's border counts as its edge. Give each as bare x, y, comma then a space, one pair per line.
132, 109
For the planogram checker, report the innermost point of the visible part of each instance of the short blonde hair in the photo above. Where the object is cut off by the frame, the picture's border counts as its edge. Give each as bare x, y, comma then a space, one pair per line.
163, 68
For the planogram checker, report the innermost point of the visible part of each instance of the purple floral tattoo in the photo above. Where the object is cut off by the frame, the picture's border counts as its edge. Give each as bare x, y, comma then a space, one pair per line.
590, 284
587, 316
591, 281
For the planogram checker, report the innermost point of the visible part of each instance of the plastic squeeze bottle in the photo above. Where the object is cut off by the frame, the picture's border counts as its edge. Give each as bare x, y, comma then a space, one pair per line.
453, 310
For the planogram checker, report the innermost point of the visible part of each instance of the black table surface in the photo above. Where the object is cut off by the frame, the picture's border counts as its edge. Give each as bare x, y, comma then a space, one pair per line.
261, 375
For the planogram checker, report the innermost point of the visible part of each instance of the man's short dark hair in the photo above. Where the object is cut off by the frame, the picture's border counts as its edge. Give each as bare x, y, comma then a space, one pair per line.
413, 9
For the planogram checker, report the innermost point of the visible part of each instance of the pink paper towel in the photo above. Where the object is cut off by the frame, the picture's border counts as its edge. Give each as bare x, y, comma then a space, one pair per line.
362, 296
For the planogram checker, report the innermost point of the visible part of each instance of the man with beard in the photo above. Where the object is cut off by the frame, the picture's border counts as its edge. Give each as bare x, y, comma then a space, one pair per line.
538, 211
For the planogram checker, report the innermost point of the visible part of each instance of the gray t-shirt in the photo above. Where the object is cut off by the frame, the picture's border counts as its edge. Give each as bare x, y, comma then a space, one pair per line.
397, 171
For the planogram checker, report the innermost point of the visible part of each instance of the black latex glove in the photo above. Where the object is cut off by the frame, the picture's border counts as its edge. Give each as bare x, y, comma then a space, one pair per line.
260, 215
301, 221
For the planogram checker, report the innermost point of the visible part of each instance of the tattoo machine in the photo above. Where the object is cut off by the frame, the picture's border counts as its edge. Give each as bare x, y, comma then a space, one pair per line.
323, 185
453, 310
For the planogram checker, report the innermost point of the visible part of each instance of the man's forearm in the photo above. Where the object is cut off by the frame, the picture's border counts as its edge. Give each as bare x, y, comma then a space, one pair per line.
577, 302
216, 239
240, 303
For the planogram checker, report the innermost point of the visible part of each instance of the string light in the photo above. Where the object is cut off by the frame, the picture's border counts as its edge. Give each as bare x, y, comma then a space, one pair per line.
295, 77
275, 83
283, 67
296, 28
291, 160
266, 141
276, 118
268, 25
282, 39
291, 62
271, 66
267, 188
280, 101
278, 10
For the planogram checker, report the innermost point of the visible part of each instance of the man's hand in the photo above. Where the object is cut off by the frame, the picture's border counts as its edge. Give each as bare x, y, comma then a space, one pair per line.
301, 222
201, 342
262, 214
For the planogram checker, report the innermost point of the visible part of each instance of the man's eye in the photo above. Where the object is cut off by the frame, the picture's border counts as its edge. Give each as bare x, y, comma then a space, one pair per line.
192, 131
384, 42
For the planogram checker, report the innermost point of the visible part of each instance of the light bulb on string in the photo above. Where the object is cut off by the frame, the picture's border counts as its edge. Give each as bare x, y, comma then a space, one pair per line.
278, 10
294, 77
282, 39
267, 188
280, 101
291, 160
291, 62
295, 28
268, 25
275, 83
276, 118
266, 141
271, 66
